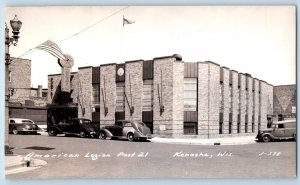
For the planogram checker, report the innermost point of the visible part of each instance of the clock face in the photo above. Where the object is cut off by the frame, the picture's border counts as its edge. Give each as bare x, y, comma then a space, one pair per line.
120, 71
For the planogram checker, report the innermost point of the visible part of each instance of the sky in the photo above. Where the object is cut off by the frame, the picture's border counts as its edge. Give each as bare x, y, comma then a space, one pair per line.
259, 40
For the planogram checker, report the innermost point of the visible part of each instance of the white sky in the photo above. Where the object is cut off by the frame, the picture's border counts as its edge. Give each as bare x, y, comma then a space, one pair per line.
259, 40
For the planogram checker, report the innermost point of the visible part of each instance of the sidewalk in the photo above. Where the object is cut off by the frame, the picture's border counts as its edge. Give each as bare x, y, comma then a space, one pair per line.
17, 163
241, 140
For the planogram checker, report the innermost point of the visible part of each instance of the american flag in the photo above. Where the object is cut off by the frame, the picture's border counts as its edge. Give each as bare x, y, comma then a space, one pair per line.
127, 21
52, 48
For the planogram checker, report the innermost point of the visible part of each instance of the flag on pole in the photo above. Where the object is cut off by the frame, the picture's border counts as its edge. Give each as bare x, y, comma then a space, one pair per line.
52, 48
127, 21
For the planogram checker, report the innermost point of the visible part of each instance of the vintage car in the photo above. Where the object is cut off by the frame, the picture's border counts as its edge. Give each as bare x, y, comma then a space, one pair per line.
123, 129
21, 125
76, 126
278, 131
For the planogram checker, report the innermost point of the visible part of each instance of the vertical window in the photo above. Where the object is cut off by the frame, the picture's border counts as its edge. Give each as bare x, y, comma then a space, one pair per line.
96, 94
120, 99
9, 76
190, 94
148, 95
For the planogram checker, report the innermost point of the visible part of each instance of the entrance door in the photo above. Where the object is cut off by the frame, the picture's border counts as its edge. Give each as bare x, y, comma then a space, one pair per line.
190, 129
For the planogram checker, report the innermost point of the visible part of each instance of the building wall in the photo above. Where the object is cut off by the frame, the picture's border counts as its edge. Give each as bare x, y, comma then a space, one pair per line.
20, 79
235, 103
178, 94
85, 92
165, 123
284, 99
226, 105
134, 89
107, 87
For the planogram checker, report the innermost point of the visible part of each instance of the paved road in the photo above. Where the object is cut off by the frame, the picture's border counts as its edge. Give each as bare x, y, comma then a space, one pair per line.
70, 157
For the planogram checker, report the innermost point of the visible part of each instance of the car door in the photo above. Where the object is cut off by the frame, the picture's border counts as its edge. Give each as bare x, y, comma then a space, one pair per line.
75, 125
118, 129
278, 131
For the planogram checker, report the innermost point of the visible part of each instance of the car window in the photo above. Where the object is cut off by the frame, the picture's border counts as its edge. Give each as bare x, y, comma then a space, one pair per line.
128, 124
119, 123
142, 124
280, 126
27, 121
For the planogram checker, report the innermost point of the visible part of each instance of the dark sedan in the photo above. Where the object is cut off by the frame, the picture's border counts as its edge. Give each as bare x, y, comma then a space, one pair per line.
76, 126
131, 130
21, 125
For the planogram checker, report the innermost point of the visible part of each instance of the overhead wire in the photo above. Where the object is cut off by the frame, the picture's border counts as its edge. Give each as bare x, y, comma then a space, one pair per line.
83, 30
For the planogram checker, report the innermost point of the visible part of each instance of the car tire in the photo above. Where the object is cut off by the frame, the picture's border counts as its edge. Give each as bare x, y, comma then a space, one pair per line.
102, 135
266, 138
15, 131
130, 137
52, 132
82, 134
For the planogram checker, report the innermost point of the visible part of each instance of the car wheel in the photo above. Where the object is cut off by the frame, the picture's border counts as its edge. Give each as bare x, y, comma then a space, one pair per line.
52, 132
15, 131
266, 138
102, 135
82, 134
130, 137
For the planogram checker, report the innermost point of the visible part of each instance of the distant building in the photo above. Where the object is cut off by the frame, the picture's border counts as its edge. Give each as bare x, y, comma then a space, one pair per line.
285, 102
25, 101
19, 83
174, 98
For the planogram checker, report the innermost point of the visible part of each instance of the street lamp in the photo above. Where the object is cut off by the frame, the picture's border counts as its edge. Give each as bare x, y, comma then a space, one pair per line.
16, 25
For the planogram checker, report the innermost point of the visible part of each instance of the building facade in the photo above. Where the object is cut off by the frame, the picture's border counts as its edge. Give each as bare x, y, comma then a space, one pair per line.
285, 102
25, 101
174, 98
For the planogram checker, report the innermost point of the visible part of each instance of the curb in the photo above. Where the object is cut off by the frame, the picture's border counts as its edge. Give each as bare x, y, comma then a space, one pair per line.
200, 142
22, 164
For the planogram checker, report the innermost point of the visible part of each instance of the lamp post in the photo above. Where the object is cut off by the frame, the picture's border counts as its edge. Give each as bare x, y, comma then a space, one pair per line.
16, 26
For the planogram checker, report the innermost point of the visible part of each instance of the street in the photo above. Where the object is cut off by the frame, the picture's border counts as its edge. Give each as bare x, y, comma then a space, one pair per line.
69, 157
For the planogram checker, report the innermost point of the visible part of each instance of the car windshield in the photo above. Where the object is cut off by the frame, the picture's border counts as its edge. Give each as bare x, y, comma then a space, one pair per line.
27, 121
142, 124
84, 121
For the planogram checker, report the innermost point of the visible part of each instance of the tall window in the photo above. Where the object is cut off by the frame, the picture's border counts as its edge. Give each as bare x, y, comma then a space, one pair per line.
190, 94
120, 99
148, 95
96, 94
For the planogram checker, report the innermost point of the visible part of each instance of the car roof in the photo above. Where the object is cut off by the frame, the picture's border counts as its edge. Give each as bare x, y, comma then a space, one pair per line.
19, 119
285, 121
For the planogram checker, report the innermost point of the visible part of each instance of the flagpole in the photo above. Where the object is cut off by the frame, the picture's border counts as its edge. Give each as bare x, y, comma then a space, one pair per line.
121, 42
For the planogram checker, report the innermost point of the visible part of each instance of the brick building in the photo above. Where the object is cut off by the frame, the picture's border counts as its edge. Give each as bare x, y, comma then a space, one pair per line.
25, 101
19, 83
285, 102
174, 98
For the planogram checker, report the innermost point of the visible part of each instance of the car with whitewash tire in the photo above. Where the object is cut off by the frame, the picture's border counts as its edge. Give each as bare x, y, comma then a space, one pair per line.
281, 130
124, 129
22, 125
76, 126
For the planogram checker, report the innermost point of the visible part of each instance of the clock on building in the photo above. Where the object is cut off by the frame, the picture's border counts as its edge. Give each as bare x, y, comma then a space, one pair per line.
120, 71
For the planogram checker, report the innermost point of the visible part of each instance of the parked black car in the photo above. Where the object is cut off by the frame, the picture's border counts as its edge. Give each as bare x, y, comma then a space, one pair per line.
123, 129
76, 126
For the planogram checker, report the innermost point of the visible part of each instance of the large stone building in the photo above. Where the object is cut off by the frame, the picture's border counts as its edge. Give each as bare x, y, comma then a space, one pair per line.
174, 98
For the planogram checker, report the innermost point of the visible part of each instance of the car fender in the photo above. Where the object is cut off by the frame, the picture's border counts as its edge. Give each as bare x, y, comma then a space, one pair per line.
107, 132
263, 134
56, 128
